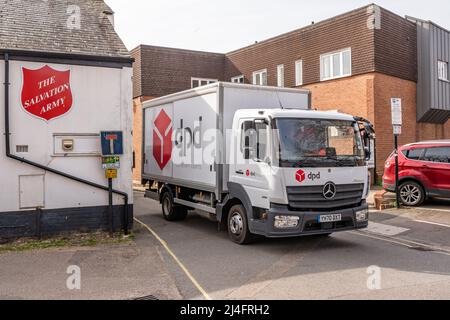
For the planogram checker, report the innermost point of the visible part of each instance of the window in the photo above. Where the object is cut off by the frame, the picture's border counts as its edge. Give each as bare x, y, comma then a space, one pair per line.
260, 77
438, 154
299, 72
198, 82
414, 154
280, 75
238, 79
443, 70
336, 65
254, 139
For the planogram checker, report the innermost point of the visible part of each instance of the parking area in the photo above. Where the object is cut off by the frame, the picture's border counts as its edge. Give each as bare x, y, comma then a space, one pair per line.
397, 257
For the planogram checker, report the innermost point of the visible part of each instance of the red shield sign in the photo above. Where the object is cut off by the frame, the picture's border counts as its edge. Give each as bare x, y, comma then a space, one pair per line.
46, 92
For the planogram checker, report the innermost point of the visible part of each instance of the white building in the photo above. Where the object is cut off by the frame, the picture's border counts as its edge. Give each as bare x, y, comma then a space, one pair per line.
67, 77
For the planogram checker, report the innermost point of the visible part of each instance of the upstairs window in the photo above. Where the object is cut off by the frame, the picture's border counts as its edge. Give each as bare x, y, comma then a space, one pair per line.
336, 65
260, 77
238, 79
443, 70
198, 82
280, 75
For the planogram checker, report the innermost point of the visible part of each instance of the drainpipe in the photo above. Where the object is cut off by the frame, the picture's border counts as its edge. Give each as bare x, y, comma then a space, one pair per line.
48, 169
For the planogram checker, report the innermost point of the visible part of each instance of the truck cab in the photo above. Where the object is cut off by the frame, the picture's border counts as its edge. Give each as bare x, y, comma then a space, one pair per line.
296, 172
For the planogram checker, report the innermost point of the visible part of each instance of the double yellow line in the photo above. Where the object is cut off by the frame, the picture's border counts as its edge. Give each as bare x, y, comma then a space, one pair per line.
172, 254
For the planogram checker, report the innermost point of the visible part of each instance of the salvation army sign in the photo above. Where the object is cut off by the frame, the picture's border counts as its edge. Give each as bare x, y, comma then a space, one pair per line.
46, 92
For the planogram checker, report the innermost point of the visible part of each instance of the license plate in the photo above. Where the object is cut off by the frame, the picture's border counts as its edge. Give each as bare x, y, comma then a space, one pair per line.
330, 218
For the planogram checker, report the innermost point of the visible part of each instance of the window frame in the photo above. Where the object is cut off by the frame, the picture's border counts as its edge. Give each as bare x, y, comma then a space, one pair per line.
299, 82
260, 72
341, 63
280, 76
210, 81
443, 77
238, 78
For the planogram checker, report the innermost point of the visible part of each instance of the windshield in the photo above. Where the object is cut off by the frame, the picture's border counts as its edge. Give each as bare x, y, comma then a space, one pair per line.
319, 142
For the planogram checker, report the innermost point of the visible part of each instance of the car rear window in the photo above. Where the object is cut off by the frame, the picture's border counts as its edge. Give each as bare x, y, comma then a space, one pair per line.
414, 154
437, 154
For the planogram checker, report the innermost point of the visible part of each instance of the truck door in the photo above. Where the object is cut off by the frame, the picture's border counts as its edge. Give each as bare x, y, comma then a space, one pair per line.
252, 166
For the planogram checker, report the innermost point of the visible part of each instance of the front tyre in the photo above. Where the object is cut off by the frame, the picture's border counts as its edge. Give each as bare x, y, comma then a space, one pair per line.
411, 194
238, 226
172, 212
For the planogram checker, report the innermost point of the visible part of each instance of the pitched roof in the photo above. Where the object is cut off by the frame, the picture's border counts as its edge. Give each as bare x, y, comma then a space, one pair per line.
49, 26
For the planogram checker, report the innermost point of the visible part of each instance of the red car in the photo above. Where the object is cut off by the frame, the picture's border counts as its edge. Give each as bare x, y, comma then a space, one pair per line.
424, 172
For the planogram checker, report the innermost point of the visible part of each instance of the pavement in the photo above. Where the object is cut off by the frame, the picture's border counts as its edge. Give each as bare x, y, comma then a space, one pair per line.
118, 272
404, 254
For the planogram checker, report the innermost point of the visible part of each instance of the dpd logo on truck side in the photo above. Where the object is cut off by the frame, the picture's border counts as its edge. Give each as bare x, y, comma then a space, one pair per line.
46, 92
162, 139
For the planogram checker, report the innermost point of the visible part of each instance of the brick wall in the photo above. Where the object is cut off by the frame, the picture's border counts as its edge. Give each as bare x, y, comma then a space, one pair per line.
161, 71
390, 50
387, 87
307, 44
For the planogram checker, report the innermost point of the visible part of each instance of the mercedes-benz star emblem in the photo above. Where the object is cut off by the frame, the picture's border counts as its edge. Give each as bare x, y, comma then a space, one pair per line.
329, 191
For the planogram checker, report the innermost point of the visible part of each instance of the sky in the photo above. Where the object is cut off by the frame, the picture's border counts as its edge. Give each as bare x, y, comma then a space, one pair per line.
226, 25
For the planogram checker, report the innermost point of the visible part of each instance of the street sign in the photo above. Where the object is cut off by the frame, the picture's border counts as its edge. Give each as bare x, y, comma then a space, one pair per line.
397, 122
112, 143
396, 109
397, 130
111, 162
111, 174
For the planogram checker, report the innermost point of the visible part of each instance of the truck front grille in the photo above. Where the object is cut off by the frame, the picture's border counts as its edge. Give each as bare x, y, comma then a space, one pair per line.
312, 198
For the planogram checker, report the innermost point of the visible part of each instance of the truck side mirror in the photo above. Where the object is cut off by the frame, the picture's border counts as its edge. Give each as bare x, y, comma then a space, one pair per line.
367, 153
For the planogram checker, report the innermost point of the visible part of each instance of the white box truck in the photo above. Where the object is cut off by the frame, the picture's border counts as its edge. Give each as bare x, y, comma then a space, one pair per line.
256, 159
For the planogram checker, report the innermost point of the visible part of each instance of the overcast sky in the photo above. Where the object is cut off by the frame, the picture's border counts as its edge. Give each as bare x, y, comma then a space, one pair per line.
226, 25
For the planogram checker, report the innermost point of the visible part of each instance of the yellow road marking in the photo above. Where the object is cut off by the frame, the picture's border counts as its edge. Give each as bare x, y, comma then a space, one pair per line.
180, 264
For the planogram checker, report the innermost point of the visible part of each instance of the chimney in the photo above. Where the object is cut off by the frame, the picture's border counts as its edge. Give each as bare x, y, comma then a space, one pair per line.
110, 15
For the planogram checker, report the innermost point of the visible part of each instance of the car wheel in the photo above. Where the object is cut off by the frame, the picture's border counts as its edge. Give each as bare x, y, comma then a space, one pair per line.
237, 225
411, 194
172, 212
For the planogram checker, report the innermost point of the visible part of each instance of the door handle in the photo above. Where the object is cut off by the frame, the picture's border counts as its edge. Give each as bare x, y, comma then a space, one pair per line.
240, 172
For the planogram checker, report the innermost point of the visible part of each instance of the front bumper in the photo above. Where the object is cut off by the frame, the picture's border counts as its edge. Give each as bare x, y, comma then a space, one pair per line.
308, 222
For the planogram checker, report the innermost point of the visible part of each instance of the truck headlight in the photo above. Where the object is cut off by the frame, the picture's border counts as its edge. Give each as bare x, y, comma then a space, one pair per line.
283, 222
362, 215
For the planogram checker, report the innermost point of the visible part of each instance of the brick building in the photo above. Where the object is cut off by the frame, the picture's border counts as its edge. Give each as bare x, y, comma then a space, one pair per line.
355, 63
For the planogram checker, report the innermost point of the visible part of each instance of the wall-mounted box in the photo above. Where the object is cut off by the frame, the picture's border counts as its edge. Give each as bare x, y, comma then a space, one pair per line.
76, 145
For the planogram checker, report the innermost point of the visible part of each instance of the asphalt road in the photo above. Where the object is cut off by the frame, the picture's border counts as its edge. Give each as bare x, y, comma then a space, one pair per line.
410, 254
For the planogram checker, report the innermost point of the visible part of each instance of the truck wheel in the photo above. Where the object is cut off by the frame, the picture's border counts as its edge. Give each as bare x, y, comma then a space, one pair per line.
411, 194
237, 225
172, 212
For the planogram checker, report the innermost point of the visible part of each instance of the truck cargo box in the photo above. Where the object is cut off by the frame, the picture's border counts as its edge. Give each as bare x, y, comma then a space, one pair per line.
180, 121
